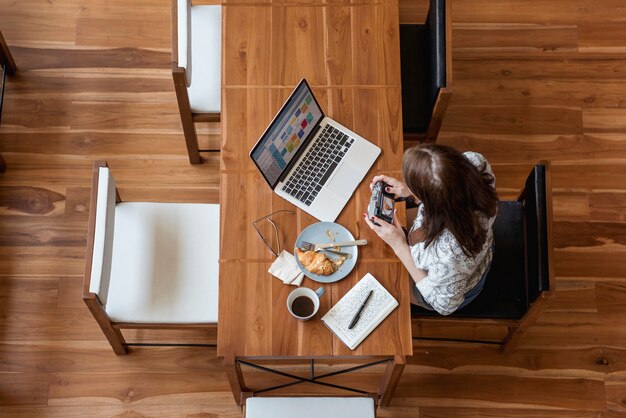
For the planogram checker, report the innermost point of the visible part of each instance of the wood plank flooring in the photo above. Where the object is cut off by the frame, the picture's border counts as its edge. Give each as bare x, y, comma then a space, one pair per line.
533, 79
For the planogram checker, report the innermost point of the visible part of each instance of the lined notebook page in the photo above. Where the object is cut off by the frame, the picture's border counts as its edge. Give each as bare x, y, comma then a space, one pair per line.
380, 305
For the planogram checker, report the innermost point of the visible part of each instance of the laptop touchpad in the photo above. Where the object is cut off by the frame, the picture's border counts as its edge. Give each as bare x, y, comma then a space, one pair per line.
344, 180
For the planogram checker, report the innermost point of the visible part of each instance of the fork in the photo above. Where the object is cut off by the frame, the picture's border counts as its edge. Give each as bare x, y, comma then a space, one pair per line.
307, 246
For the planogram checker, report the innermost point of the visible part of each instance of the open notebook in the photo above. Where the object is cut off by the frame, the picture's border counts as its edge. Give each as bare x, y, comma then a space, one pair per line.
380, 305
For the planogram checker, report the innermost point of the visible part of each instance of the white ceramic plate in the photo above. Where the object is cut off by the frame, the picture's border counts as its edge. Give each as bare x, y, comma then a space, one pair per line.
318, 234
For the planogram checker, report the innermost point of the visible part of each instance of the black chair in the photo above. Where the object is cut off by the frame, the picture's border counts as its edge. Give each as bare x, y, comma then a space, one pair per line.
426, 71
8, 67
521, 277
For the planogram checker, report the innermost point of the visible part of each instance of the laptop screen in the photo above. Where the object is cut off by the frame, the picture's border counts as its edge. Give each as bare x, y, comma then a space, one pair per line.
287, 133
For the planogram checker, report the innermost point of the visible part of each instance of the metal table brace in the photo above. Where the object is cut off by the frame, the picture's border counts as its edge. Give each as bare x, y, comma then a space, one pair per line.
312, 379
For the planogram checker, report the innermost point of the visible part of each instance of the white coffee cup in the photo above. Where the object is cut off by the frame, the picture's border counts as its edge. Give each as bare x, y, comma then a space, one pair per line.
303, 303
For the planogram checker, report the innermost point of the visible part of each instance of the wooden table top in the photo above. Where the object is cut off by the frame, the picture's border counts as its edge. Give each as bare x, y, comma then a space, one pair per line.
350, 55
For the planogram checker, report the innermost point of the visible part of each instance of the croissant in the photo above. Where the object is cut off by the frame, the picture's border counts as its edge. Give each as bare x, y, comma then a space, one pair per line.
316, 263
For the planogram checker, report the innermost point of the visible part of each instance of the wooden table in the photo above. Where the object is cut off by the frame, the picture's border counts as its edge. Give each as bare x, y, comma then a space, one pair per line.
350, 55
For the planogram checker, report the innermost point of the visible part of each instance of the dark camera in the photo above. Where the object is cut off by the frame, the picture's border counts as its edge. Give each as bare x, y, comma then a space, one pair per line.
381, 204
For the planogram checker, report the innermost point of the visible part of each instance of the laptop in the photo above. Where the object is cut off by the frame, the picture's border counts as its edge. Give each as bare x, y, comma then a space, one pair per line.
309, 159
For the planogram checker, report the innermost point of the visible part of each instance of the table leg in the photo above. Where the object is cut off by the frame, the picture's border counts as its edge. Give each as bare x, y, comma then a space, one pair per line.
390, 380
235, 378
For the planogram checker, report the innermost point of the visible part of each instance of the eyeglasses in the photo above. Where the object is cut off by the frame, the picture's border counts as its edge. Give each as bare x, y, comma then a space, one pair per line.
268, 218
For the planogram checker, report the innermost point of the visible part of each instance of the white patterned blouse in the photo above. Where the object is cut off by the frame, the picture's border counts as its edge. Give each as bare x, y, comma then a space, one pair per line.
451, 273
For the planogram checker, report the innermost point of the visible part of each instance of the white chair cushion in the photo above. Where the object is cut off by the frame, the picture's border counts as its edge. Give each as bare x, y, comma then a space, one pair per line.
309, 407
103, 235
206, 52
184, 36
164, 266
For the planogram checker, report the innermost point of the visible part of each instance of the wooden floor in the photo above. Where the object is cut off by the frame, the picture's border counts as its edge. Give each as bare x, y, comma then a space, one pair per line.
533, 79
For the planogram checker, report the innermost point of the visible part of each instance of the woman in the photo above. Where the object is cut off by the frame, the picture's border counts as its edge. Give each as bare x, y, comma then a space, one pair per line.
449, 248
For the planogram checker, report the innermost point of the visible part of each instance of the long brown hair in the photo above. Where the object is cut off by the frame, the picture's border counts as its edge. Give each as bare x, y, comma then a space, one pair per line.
454, 193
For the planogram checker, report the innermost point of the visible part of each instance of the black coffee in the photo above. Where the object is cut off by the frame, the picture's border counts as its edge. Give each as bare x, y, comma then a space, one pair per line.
302, 306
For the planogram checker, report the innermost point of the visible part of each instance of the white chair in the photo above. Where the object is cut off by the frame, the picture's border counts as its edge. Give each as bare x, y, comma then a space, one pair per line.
196, 67
310, 407
149, 265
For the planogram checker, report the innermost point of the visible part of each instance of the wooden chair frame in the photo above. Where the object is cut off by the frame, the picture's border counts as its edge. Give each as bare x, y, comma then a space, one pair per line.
445, 93
443, 96
187, 117
517, 328
8, 67
112, 329
6, 59
517, 331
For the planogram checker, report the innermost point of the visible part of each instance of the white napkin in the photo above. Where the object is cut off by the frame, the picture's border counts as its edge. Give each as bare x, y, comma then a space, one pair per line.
286, 269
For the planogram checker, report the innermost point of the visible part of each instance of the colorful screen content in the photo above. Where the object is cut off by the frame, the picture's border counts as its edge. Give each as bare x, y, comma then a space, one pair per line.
289, 130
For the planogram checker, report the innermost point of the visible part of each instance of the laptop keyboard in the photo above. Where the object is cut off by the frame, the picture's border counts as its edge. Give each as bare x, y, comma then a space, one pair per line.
321, 160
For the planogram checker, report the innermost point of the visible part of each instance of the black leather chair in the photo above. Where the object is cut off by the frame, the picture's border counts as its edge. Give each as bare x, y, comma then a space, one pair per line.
426, 68
8, 67
521, 277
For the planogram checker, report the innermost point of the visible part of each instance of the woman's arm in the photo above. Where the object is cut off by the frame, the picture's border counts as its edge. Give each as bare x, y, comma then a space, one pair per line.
404, 254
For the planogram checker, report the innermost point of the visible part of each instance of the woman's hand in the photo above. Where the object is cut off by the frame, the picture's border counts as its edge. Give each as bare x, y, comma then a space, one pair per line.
397, 187
392, 234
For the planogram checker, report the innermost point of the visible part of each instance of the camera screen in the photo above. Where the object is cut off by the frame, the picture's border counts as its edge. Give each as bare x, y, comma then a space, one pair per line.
387, 208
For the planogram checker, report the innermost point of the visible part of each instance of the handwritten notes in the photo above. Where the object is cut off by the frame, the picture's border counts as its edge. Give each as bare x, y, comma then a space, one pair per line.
380, 305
